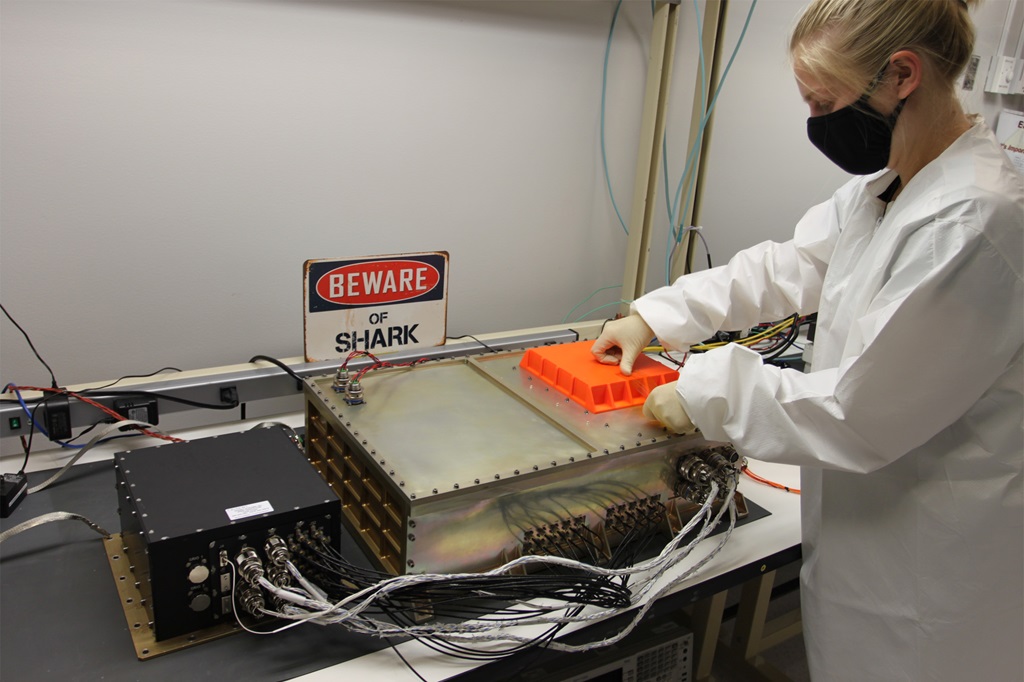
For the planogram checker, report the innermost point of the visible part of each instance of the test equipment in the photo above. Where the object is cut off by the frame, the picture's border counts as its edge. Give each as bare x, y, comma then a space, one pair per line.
465, 464
197, 517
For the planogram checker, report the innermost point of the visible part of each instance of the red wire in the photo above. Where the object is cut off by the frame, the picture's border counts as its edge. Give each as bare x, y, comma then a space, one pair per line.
748, 472
98, 406
377, 363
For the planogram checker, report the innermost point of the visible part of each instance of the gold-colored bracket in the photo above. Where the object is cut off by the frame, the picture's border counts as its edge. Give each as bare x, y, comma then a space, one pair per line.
140, 627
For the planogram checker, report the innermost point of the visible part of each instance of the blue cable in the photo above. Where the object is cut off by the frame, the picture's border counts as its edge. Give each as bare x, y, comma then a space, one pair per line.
28, 412
37, 425
676, 232
604, 92
670, 207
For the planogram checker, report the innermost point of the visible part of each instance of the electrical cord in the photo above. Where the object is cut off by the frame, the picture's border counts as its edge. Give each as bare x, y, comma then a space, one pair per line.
562, 596
94, 441
600, 307
470, 336
676, 233
53, 379
403, 659
604, 94
748, 341
89, 401
133, 376
49, 518
592, 294
699, 231
161, 396
745, 469
789, 340
274, 361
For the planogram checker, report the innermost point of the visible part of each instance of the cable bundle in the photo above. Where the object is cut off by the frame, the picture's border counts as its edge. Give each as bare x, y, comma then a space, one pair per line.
474, 609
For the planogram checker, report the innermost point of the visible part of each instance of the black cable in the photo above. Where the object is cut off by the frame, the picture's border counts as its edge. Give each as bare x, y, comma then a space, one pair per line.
53, 379
162, 396
470, 336
133, 376
665, 355
475, 596
407, 664
74, 438
275, 361
692, 239
792, 337
27, 446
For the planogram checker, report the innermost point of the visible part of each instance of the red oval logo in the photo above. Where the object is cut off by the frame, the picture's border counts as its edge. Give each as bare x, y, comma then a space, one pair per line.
377, 282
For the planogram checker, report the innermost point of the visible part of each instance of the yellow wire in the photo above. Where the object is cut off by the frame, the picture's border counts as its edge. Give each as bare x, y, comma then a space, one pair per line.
748, 341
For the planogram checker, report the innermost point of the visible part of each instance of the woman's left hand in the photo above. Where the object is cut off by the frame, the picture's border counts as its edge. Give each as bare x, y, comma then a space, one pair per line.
663, 405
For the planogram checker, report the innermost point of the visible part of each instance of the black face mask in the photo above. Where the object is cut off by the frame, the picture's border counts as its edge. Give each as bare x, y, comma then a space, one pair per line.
856, 138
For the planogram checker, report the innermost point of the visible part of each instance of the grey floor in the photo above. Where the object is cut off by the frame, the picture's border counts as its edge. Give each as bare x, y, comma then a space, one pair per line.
788, 658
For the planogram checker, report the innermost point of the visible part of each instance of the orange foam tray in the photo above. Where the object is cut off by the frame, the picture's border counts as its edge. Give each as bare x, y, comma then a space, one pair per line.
573, 370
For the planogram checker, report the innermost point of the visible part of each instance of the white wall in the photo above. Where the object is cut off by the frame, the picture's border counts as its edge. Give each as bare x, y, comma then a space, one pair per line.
168, 166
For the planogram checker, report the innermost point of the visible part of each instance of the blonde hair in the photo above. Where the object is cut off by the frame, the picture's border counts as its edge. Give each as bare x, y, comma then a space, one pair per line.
847, 42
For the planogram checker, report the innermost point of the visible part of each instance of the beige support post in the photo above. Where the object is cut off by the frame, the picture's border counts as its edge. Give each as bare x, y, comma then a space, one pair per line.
652, 130
754, 633
712, 33
707, 625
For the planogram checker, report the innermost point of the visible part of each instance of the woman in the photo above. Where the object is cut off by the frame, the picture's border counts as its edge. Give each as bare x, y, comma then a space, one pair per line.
909, 429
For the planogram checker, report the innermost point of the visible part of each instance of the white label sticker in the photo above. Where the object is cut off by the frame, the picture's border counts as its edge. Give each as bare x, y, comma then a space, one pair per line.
247, 510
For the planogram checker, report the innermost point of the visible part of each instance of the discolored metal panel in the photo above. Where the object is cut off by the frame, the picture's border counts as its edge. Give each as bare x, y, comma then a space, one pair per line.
460, 464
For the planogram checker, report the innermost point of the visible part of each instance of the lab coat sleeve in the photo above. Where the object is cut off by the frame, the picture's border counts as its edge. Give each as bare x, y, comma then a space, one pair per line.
945, 326
769, 281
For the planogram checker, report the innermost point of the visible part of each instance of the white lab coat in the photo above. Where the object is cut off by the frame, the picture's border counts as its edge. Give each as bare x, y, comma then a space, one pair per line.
910, 429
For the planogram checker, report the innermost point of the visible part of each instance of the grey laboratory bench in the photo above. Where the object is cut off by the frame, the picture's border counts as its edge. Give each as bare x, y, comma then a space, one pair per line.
60, 617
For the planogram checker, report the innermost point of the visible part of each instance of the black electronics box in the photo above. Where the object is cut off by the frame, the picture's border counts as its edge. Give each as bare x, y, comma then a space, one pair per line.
189, 509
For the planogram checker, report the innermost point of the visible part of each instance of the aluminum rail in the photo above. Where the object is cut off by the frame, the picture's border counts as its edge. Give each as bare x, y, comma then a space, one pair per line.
263, 380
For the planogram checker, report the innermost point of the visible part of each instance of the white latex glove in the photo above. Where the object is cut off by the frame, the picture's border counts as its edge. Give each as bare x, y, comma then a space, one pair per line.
663, 405
622, 341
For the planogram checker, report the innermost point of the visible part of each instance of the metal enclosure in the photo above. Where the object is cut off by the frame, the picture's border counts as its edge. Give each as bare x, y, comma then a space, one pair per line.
464, 464
188, 509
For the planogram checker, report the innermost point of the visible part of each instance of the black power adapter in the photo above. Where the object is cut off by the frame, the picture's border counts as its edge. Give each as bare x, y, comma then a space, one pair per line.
13, 489
138, 409
57, 416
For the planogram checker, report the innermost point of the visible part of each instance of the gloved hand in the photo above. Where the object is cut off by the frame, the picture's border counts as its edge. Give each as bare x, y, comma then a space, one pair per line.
621, 341
663, 405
